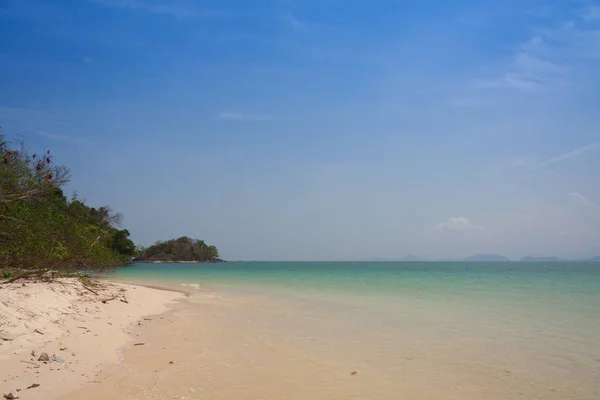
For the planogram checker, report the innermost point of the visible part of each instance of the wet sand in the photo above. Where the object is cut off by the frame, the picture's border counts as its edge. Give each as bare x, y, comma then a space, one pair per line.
248, 346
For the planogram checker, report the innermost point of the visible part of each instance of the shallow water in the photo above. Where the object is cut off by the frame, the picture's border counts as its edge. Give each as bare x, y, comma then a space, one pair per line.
428, 330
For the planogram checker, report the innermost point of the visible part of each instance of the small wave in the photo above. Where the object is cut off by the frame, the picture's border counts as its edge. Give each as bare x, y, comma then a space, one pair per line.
194, 285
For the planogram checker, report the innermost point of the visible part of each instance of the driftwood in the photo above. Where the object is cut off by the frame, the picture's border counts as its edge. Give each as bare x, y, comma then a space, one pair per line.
107, 300
93, 291
25, 275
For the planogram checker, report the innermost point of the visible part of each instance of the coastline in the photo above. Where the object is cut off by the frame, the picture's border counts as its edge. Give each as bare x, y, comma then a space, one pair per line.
82, 331
429, 341
435, 339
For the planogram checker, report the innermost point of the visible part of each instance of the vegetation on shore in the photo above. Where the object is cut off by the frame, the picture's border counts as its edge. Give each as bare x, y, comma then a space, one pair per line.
177, 250
41, 230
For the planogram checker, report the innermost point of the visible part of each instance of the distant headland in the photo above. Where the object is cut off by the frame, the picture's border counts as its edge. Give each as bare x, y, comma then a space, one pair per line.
556, 259
182, 250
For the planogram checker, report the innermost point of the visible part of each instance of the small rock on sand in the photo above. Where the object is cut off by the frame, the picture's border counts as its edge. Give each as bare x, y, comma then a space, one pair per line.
9, 396
44, 357
57, 359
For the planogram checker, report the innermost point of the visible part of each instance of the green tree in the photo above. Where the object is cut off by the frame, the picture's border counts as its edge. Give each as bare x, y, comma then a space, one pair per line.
41, 230
120, 242
181, 249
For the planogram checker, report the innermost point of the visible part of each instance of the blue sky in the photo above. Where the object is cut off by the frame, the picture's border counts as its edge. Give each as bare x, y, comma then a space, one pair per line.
330, 129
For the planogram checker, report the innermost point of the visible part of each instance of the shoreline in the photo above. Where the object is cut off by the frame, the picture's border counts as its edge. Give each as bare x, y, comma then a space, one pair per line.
155, 286
221, 342
82, 331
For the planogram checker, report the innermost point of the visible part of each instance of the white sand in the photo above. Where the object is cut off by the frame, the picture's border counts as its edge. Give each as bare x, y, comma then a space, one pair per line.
64, 319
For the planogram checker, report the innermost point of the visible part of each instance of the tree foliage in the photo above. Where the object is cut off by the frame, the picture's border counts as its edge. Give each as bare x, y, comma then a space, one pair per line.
182, 249
41, 230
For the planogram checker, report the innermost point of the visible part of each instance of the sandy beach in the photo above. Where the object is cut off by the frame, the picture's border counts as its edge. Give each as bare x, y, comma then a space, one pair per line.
239, 343
219, 343
80, 332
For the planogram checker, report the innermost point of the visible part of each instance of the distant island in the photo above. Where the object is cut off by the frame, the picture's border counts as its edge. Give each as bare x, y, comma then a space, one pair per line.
181, 250
487, 258
556, 259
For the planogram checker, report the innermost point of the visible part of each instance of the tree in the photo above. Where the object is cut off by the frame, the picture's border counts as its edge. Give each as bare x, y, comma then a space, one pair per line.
107, 217
27, 178
181, 249
121, 243
41, 230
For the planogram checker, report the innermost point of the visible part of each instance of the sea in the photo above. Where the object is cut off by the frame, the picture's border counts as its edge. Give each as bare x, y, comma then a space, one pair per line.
405, 330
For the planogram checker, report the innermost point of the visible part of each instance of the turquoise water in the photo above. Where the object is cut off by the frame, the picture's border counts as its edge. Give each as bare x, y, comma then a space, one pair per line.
466, 322
577, 284
531, 288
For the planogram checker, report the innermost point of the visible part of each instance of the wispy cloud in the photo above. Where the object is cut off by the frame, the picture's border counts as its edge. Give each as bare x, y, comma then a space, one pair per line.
235, 116
173, 8
574, 153
457, 224
581, 198
531, 163
65, 138
551, 57
296, 24
528, 72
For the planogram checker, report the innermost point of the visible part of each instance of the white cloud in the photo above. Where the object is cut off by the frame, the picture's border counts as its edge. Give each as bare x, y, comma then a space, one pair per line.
574, 153
530, 71
456, 224
532, 163
64, 138
243, 117
552, 58
297, 25
580, 197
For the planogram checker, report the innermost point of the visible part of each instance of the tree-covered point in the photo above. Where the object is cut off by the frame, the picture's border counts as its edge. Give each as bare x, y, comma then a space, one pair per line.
182, 249
41, 230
